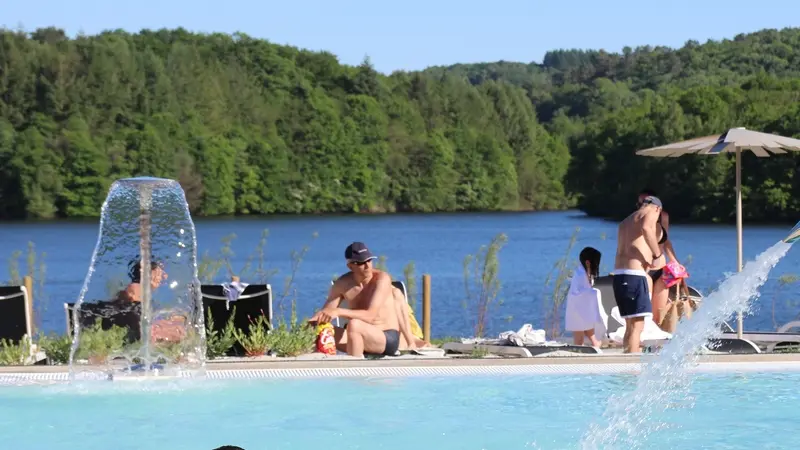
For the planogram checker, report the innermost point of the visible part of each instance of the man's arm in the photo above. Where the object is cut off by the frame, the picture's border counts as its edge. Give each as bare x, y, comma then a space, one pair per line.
379, 295
334, 296
649, 231
331, 302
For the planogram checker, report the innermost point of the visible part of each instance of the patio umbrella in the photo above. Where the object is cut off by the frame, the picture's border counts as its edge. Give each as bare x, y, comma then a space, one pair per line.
734, 140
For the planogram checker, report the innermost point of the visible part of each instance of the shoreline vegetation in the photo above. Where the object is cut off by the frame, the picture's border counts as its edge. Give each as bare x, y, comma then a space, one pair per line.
249, 127
288, 337
763, 222
482, 299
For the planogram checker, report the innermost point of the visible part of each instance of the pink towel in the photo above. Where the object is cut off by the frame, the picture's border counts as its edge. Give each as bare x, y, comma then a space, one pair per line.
673, 273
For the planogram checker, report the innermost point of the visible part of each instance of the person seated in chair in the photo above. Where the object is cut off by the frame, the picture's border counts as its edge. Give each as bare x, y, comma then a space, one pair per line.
374, 326
171, 329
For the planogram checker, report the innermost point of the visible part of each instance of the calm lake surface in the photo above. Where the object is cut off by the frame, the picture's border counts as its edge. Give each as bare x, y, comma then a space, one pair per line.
437, 243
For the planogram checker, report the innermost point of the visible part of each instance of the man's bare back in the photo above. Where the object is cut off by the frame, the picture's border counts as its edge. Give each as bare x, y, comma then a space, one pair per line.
637, 244
637, 249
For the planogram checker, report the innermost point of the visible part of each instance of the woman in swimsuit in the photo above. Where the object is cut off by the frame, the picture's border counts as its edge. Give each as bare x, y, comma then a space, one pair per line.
660, 296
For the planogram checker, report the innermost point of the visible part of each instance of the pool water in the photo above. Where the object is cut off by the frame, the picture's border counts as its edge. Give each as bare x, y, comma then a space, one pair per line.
730, 411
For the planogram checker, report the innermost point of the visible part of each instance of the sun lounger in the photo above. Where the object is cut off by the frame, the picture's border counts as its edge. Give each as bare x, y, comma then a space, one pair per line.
728, 343
255, 300
503, 348
525, 342
768, 341
615, 325
16, 315
110, 313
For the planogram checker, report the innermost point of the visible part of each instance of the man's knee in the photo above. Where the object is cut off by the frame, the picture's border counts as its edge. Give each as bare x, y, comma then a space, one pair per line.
356, 326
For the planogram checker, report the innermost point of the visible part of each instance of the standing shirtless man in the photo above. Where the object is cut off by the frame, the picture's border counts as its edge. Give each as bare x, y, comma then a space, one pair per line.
637, 250
373, 325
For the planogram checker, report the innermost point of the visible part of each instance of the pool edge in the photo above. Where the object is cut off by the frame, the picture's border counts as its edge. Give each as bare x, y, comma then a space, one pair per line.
629, 364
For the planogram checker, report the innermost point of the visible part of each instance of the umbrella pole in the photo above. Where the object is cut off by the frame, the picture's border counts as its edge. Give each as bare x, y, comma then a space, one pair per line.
739, 319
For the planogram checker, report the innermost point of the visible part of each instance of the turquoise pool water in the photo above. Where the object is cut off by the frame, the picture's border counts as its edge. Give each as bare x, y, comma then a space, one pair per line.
748, 410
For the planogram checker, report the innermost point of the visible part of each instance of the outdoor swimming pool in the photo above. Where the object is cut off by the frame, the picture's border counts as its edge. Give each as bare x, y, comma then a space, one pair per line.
514, 411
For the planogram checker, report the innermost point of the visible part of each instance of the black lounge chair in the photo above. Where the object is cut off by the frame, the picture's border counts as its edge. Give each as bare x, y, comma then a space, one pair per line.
110, 313
16, 313
255, 300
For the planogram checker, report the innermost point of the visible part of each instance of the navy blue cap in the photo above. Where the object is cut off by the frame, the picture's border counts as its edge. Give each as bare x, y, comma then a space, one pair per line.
358, 251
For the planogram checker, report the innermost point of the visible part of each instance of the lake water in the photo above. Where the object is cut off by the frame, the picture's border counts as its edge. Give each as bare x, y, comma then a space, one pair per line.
437, 243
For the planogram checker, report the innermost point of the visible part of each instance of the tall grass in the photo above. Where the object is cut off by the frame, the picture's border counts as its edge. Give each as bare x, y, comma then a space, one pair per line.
36, 268
410, 279
558, 280
482, 283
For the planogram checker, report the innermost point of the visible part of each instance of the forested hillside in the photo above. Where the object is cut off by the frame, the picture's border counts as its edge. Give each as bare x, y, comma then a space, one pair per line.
606, 106
250, 127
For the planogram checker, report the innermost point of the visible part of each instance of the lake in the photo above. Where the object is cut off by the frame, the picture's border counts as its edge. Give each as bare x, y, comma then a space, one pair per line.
437, 243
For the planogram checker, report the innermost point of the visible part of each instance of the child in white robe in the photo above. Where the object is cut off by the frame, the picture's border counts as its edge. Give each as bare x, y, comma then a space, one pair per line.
582, 315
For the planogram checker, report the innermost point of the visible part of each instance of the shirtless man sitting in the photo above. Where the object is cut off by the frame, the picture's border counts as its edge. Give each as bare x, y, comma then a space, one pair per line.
373, 326
637, 250
170, 329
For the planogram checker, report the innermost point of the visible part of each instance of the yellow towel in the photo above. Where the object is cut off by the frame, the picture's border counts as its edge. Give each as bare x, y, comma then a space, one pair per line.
416, 330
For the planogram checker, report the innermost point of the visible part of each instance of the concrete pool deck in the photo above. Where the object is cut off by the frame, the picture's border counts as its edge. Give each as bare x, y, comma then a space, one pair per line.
426, 366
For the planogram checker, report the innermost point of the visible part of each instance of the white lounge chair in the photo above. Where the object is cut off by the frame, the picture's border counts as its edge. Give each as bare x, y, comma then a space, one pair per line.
652, 335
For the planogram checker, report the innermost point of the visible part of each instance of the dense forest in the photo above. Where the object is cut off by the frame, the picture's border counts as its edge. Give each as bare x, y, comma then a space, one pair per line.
250, 127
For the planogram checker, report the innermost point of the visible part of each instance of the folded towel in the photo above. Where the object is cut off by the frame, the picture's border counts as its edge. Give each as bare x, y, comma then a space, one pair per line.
525, 336
232, 291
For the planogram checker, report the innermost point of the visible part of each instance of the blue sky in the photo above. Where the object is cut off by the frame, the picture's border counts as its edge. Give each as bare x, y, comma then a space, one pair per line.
414, 34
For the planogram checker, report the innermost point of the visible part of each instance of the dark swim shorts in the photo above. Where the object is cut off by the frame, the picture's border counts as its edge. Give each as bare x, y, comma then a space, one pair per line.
392, 342
632, 293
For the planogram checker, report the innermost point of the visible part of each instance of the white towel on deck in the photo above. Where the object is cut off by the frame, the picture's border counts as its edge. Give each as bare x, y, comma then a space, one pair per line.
583, 305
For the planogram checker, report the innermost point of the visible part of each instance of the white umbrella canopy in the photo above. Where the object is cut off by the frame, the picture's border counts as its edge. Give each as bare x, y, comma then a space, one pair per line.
735, 140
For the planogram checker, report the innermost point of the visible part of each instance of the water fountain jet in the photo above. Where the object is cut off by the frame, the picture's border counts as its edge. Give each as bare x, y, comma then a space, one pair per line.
146, 228
664, 378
